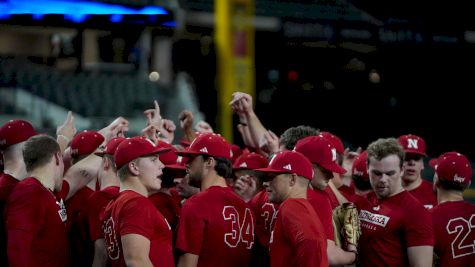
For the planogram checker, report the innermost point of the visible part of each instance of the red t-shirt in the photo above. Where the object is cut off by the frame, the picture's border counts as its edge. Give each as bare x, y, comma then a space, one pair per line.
454, 228
132, 213
322, 207
389, 226
217, 225
264, 212
298, 238
35, 226
331, 196
168, 207
347, 191
82, 248
96, 205
7, 183
425, 194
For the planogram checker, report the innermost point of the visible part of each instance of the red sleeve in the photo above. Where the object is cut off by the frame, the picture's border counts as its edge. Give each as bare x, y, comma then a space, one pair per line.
191, 228
25, 215
419, 232
297, 230
136, 218
321, 205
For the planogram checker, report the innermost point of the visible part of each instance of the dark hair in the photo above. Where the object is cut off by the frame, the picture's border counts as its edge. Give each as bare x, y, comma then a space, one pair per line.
451, 185
361, 184
384, 147
293, 134
38, 151
223, 166
169, 175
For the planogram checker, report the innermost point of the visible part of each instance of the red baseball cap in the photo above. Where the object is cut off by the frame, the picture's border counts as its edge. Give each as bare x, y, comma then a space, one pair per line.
135, 147
14, 132
335, 140
170, 158
360, 167
289, 162
320, 150
111, 146
455, 168
85, 143
209, 144
434, 162
250, 161
413, 144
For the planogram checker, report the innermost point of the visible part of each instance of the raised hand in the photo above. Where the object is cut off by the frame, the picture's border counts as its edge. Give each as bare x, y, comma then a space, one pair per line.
67, 129
115, 129
204, 127
269, 142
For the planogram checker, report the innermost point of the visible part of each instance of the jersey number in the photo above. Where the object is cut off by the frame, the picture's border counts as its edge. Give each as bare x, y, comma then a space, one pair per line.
269, 214
241, 230
461, 245
113, 249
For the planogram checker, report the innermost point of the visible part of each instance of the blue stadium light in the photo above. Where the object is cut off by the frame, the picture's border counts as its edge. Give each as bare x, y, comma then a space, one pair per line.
76, 18
37, 16
116, 18
74, 8
169, 23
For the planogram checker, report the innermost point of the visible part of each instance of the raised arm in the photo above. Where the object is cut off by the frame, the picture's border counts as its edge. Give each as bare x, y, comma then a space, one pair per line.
136, 249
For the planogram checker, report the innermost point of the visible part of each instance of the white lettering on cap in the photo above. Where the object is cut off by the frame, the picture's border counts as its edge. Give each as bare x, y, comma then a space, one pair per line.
333, 154
459, 179
412, 143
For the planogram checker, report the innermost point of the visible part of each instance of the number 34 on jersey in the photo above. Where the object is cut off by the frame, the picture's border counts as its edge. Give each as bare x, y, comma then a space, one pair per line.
242, 227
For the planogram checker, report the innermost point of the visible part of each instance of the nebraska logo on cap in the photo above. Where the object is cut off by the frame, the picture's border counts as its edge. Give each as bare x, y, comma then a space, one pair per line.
412, 143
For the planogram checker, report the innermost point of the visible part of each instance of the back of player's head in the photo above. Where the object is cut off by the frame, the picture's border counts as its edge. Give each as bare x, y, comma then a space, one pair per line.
38, 151
384, 147
454, 172
289, 137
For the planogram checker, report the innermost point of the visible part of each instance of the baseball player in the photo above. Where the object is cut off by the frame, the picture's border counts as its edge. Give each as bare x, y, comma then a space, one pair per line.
323, 156
13, 135
35, 218
136, 234
298, 238
415, 149
98, 200
247, 182
454, 218
216, 227
396, 229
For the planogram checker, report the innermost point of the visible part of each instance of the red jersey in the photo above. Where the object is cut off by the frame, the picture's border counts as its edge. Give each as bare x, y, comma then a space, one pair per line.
7, 183
331, 196
347, 191
35, 226
322, 207
454, 228
390, 226
82, 248
168, 207
217, 225
298, 238
96, 204
425, 194
264, 212
132, 213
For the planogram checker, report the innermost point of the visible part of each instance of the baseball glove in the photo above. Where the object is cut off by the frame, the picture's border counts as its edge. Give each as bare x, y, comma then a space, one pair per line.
346, 225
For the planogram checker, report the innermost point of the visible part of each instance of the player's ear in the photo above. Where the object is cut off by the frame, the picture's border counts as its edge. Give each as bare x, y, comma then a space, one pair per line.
133, 167
293, 179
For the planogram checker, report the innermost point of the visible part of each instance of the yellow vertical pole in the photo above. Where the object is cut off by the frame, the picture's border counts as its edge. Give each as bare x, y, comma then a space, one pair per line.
234, 37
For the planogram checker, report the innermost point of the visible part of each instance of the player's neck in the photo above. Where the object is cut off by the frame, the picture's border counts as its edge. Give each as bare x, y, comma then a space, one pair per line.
15, 169
135, 185
109, 179
213, 180
298, 193
413, 184
44, 176
448, 195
